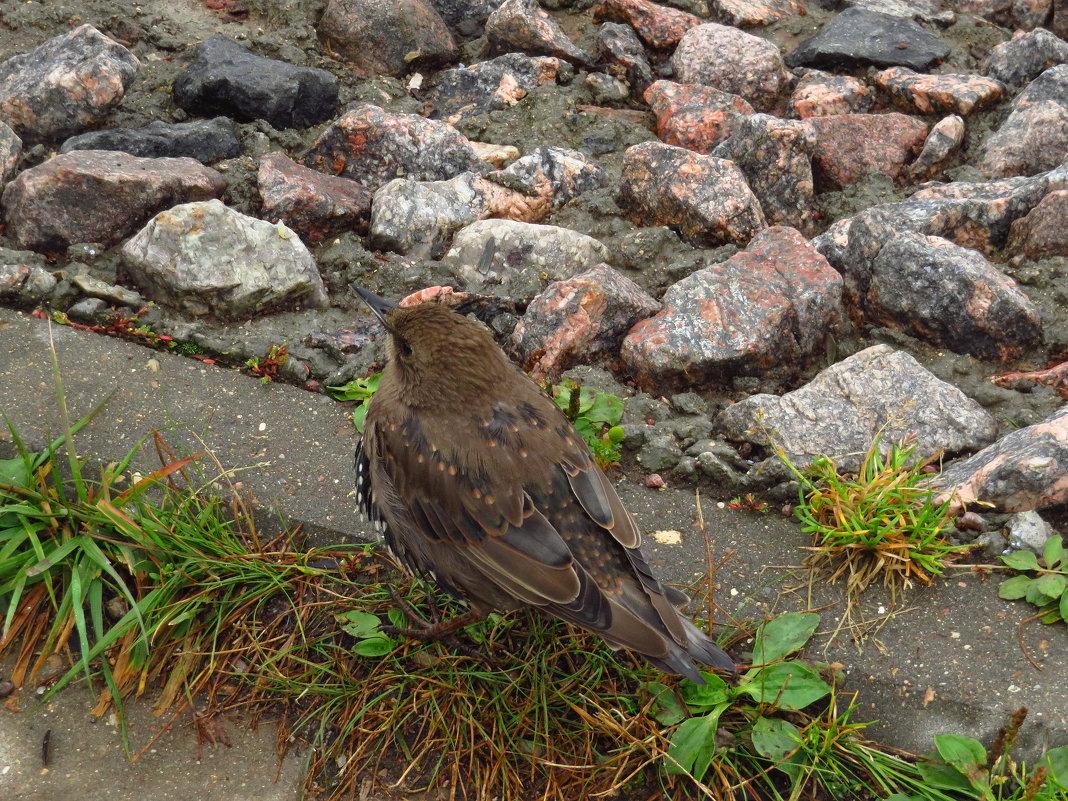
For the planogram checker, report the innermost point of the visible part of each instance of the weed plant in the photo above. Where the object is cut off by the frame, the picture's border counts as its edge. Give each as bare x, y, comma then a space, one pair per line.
880, 523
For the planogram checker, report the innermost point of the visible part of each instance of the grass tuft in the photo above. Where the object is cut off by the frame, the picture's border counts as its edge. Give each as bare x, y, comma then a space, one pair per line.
879, 524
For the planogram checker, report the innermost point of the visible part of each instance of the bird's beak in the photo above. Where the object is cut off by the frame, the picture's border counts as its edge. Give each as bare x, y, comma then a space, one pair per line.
379, 306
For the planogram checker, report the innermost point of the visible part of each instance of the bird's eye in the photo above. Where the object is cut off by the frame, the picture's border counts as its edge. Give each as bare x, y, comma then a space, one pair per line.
403, 347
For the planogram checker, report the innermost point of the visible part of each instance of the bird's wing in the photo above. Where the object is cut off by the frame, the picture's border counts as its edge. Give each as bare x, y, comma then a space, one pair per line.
496, 527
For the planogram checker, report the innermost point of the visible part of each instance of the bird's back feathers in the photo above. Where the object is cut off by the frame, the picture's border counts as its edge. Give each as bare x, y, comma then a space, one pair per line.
499, 499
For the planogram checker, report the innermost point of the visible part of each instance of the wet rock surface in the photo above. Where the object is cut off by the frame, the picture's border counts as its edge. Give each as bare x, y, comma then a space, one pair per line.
840, 411
98, 196
66, 85
860, 36
597, 185
225, 78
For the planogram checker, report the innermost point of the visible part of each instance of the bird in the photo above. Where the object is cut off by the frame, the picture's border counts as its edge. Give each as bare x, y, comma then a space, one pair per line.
475, 478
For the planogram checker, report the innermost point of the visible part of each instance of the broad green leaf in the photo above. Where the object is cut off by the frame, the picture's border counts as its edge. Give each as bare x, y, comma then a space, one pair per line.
15, 472
1056, 760
943, 777
704, 696
1036, 596
775, 738
359, 624
604, 408
1014, 588
1053, 552
1021, 560
398, 618
1064, 616
378, 645
787, 684
1051, 585
965, 755
666, 708
694, 744
359, 416
783, 635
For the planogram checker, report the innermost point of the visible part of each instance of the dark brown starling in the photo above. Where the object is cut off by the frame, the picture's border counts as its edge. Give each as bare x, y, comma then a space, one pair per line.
476, 478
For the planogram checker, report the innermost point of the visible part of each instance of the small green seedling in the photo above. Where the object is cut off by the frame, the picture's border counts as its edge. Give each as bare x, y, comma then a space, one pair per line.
595, 416
1047, 588
360, 390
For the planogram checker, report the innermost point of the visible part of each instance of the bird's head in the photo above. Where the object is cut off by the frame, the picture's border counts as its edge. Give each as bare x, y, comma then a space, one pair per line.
437, 355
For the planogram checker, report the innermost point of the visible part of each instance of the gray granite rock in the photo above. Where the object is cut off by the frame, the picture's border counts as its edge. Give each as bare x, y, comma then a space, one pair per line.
841, 411
936, 290
207, 259
518, 259
66, 85
1024, 470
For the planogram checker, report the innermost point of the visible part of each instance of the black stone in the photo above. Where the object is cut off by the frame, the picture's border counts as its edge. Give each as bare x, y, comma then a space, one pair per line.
207, 141
857, 37
225, 78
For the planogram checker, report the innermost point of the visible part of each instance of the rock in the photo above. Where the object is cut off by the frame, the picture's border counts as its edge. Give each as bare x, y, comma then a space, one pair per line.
1018, 14
1023, 470
693, 116
766, 308
936, 290
858, 37
388, 37
10, 153
207, 141
1059, 23
605, 90
24, 277
938, 94
113, 294
517, 259
706, 197
660, 452
521, 25
942, 143
495, 155
658, 26
1028, 531
841, 411
207, 259
556, 174
466, 17
1042, 232
98, 196
1025, 56
819, 94
1034, 136
776, 157
731, 61
225, 78
974, 215
419, 218
923, 10
312, 204
492, 85
848, 145
620, 52
577, 319
66, 85
371, 145
747, 13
